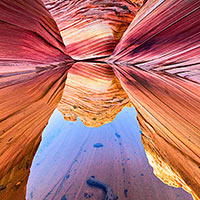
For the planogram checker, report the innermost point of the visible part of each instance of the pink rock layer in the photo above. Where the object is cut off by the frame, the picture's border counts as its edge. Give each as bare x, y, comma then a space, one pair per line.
92, 28
164, 36
157, 63
33, 69
93, 93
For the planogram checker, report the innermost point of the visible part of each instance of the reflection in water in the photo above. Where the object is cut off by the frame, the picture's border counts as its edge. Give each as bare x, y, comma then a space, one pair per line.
92, 93
168, 114
70, 153
25, 114
160, 78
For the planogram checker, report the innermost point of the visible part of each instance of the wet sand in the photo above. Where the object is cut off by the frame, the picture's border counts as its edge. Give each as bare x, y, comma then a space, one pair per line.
70, 153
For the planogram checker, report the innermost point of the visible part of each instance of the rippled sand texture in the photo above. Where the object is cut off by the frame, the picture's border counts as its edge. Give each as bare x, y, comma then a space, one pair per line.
93, 93
32, 74
92, 28
162, 46
70, 153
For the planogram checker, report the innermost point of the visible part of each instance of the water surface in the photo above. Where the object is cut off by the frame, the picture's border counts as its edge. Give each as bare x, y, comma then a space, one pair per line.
70, 153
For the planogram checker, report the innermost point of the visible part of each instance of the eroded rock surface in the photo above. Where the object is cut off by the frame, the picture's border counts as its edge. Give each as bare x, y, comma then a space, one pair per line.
93, 93
92, 28
160, 73
163, 170
33, 67
168, 114
163, 37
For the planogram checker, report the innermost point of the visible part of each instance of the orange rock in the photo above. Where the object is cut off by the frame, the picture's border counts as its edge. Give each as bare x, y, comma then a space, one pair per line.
32, 75
92, 28
160, 73
164, 171
93, 93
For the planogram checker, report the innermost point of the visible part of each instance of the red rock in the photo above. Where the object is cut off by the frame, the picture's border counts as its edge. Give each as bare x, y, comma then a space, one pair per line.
164, 36
33, 69
92, 28
160, 53
160, 73
92, 93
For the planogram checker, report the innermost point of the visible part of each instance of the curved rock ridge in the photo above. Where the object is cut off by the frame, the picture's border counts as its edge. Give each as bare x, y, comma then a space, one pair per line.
157, 64
93, 93
29, 33
33, 70
163, 170
164, 36
25, 109
92, 28
168, 114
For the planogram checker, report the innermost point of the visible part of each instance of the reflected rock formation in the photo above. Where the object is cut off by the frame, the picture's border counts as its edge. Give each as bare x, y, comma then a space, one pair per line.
92, 28
160, 73
69, 154
156, 62
93, 93
33, 67
163, 170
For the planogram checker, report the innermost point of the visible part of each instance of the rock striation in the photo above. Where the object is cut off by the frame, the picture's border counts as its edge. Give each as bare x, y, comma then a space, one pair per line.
92, 28
156, 67
163, 37
157, 63
92, 93
163, 170
33, 69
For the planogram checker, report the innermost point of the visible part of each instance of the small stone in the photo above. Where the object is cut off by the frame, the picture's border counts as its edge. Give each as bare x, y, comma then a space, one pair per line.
87, 196
117, 135
98, 145
125, 193
74, 106
125, 7
18, 183
63, 197
67, 176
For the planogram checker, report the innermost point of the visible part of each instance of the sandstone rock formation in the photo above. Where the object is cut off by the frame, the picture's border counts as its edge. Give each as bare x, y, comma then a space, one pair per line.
160, 53
93, 93
92, 28
163, 170
156, 62
163, 37
32, 75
